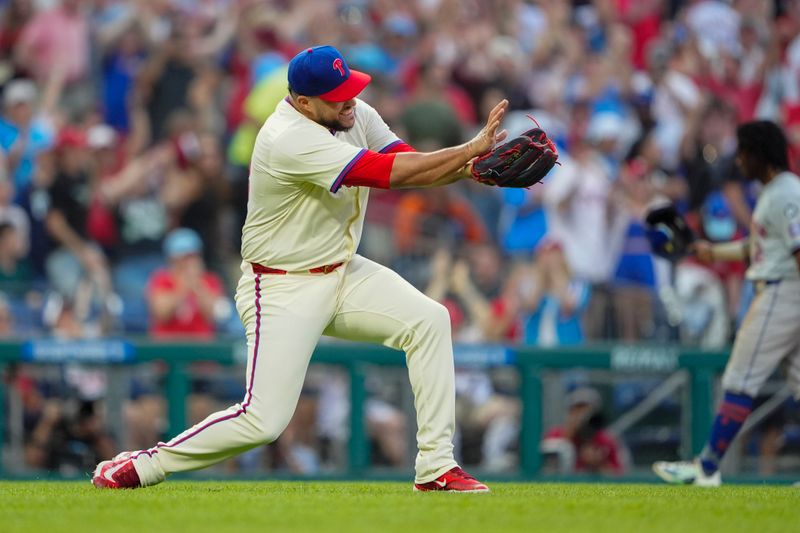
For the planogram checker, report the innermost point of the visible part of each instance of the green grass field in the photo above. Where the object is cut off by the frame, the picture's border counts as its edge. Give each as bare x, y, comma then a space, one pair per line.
175, 507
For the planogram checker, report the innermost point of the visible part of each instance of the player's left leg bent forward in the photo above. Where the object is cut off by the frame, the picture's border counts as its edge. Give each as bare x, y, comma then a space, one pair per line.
377, 305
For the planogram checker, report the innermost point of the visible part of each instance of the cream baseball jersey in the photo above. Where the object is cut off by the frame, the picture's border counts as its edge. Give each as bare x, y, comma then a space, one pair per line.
299, 216
775, 232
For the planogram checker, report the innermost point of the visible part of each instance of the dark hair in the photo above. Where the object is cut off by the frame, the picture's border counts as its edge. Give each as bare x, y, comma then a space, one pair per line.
764, 141
5, 227
637, 147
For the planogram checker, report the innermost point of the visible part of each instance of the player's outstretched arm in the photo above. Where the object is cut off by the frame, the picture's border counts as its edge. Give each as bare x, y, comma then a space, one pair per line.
708, 252
415, 169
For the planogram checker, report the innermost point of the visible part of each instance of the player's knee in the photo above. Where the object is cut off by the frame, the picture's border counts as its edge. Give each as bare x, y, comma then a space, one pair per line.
268, 433
436, 317
265, 431
431, 321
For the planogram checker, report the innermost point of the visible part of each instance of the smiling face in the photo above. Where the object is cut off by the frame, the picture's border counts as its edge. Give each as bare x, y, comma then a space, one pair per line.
337, 116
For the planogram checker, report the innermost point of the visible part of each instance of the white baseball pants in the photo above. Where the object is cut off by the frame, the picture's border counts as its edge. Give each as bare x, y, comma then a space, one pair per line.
284, 316
769, 333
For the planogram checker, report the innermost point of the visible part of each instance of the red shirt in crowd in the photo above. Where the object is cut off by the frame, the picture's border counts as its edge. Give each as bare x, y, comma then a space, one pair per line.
187, 320
602, 441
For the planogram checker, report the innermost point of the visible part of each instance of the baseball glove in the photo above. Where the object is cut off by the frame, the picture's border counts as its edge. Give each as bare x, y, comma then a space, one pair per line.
669, 235
520, 162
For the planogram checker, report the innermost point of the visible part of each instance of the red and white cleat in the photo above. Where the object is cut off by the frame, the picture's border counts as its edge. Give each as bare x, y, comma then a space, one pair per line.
454, 480
118, 473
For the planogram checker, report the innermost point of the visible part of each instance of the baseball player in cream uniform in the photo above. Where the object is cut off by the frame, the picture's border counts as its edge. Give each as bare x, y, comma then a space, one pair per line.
314, 161
770, 331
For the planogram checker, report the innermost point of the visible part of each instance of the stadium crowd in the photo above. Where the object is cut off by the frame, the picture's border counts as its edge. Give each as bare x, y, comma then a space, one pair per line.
127, 126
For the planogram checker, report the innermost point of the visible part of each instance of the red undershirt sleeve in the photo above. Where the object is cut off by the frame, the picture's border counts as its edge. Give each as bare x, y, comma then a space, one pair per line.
373, 169
396, 147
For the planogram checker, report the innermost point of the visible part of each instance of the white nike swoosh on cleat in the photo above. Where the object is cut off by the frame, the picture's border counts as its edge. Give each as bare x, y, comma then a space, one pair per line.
440, 483
99, 468
108, 474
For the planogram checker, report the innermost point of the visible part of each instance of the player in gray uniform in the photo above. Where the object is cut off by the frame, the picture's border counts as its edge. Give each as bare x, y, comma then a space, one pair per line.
771, 330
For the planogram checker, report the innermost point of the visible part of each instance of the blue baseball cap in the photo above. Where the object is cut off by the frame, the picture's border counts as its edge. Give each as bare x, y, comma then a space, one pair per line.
321, 71
182, 241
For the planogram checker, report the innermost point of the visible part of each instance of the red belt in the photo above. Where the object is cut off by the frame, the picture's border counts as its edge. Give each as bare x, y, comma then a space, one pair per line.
261, 269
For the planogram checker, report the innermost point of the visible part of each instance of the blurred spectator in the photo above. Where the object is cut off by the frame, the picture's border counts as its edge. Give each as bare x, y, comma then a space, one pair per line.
488, 292
387, 430
163, 86
425, 222
720, 198
180, 74
487, 204
707, 153
587, 226
636, 281
7, 325
135, 195
704, 317
258, 104
553, 303
185, 300
15, 215
79, 265
387, 427
582, 444
522, 221
15, 17
430, 120
77, 316
57, 41
487, 415
715, 24
35, 201
675, 95
296, 447
644, 18
26, 130
15, 272
738, 79
438, 288
480, 295
194, 194
106, 153
68, 438
123, 56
